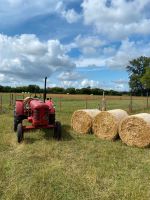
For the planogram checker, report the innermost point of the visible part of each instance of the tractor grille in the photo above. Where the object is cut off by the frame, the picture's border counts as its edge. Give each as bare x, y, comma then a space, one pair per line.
36, 114
41, 115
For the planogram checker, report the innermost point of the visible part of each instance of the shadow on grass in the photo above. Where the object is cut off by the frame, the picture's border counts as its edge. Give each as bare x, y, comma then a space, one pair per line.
65, 133
28, 140
48, 135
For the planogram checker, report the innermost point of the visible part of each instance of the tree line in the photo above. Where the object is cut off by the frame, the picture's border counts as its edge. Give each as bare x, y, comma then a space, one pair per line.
35, 89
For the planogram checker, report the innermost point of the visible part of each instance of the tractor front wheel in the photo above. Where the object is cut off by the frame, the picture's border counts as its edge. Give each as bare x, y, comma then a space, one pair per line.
15, 123
57, 130
19, 132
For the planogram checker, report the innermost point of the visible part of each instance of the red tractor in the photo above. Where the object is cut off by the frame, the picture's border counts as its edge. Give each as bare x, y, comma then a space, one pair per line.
40, 113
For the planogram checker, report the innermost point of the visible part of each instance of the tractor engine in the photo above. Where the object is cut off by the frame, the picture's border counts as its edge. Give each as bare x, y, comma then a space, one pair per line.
39, 113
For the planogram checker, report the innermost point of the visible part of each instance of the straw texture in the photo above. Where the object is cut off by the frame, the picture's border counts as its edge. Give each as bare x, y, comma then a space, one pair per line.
82, 120
106, 124
135, 130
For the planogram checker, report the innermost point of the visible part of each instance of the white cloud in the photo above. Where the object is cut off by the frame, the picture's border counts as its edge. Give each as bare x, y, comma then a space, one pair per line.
90, 62
25, 57
120, 81
71, 16
109, 85
17, 11
80, 84
91, 83
118, 20
89, 45
93, 41
14, 11
127, 51
67, 84
115, 57
69, 76
120, 85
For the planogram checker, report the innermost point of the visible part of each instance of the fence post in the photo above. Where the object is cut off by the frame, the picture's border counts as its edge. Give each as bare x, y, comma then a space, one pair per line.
147, 95
9, 99
86, 103
15, 99
103, 103
60, 104
12, 100
130, 104
1, 103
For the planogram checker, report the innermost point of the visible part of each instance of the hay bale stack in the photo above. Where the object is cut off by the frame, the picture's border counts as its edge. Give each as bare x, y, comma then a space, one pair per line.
106, 123
82, 120
135, 130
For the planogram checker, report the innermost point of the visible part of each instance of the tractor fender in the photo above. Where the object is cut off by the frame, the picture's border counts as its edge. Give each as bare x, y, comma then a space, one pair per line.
51, 106
19, 108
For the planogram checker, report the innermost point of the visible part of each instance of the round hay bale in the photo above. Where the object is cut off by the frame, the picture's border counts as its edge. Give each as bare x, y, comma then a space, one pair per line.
82, 120
106, 123
135, 130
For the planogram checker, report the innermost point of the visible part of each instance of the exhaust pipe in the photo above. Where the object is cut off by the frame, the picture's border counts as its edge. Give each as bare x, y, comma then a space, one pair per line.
44, 94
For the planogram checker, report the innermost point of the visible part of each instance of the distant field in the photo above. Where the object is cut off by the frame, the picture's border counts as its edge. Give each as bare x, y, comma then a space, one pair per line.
76, 168
74, 102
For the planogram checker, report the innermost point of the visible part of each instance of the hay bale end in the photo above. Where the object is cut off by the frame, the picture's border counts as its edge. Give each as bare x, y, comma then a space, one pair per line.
135, 130
81, 120
106, 123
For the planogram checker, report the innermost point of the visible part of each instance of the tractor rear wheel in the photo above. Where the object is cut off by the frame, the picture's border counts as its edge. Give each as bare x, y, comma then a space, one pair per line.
57, 130
19, 132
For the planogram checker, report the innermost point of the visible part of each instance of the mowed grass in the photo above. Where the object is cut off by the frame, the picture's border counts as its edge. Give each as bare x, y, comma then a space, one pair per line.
78, 167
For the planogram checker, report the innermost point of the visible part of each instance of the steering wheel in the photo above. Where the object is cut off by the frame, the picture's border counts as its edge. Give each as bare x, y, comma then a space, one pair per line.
26, 102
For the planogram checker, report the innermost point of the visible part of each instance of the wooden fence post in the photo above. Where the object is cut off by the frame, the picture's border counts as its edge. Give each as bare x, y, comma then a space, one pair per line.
15, 99
60, 104
9, 99
130, 104
12, 100
147, 98
86, 103
103, 103
1, 103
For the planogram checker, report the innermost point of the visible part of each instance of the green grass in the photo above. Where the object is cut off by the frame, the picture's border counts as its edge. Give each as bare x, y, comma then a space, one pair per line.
76, 168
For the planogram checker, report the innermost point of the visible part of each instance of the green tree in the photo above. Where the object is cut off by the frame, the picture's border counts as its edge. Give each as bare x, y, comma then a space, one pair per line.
71, 90
136, 70
146, 78
1, 88
86, 90
33, 88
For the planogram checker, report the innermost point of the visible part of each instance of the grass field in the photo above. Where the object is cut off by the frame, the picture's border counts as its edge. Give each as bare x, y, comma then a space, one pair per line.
76, 168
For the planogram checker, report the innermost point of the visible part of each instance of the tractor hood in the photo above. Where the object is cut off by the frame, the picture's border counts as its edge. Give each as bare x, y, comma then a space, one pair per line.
37, 104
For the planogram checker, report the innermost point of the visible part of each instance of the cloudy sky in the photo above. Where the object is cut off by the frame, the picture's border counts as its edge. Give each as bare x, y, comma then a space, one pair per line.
75, 43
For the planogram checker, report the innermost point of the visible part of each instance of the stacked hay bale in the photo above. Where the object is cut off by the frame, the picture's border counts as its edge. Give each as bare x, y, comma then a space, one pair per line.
82, 120
135, 130
106, 123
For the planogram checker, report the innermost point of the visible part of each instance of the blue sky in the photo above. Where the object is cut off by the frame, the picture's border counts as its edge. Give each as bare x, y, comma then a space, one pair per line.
75, 43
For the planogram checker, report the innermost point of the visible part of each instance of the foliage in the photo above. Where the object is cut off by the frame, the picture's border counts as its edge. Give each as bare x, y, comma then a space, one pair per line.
59, 90
56, 90
136, 70
146, 78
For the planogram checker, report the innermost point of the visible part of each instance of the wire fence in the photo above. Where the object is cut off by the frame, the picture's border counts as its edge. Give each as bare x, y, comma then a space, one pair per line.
71, 103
